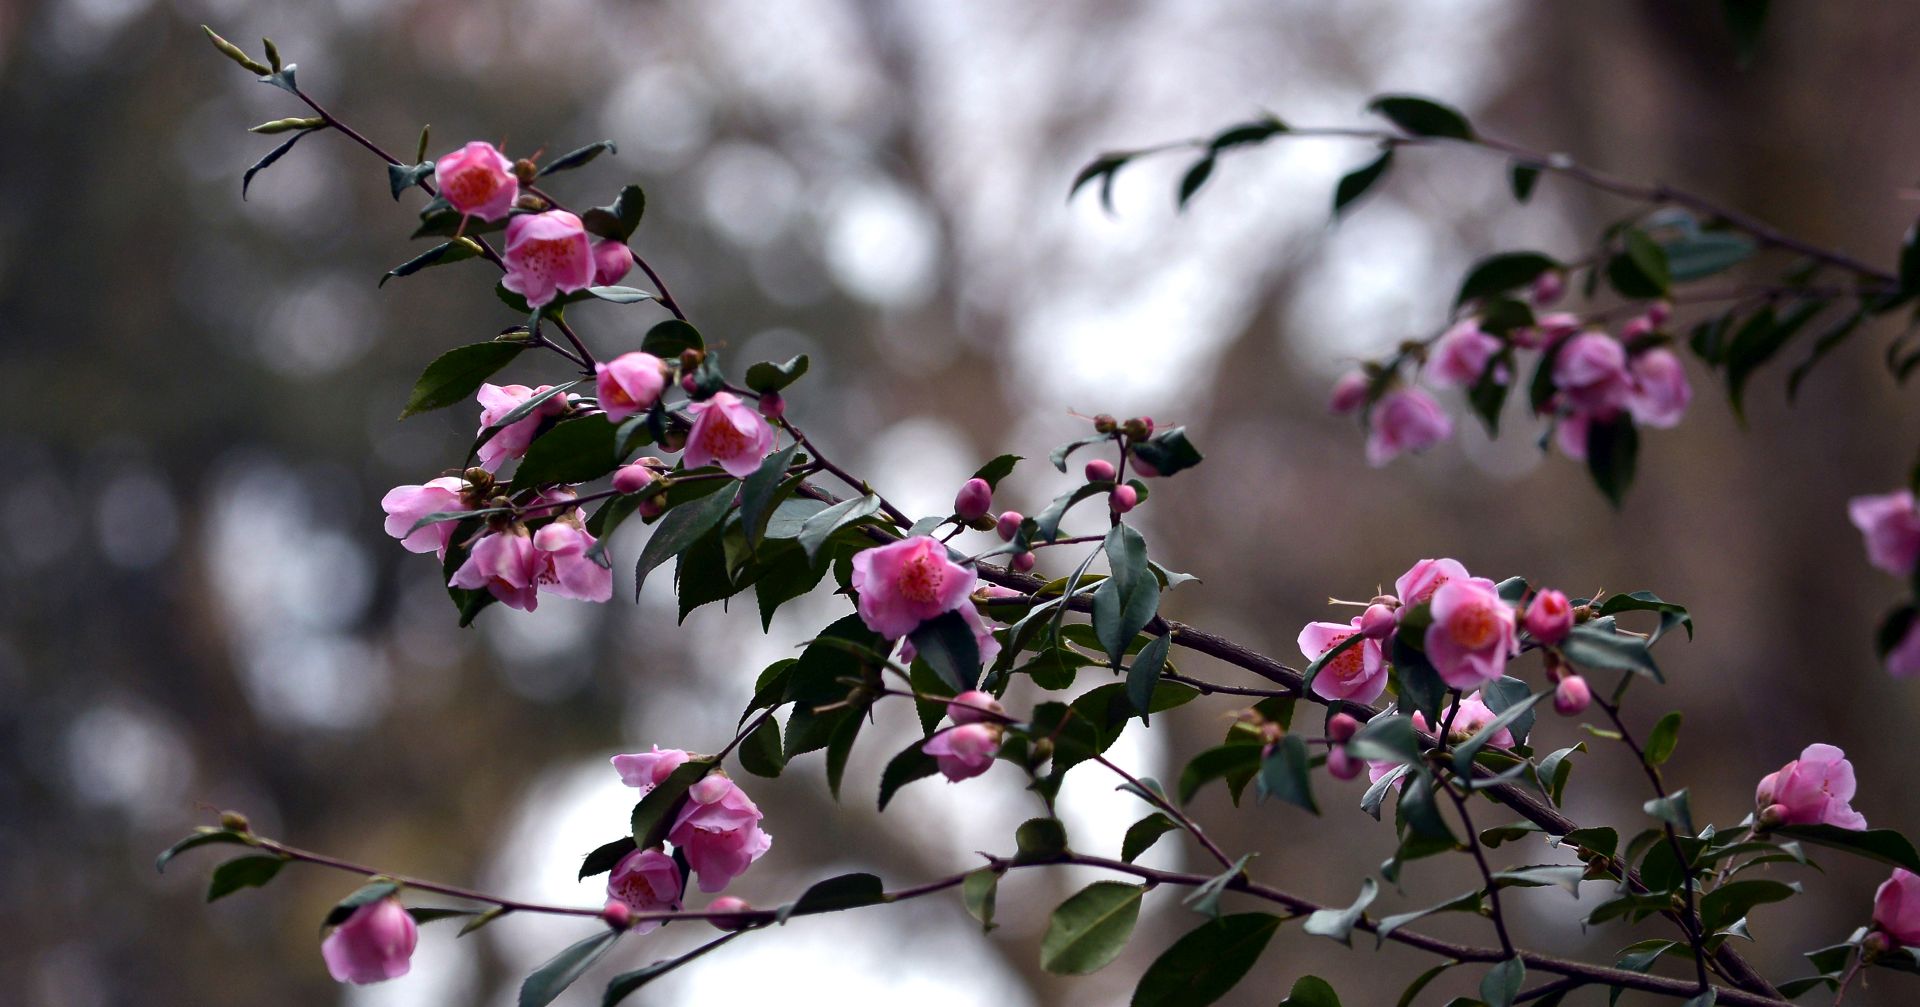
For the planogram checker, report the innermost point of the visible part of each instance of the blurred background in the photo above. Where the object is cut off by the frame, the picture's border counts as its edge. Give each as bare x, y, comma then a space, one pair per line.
199, 396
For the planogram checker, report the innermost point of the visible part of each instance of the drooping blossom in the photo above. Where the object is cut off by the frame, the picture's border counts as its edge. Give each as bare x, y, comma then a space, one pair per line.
547, 253
496, 402
964, 751
729, 433
1814, 789
1891, 524
1590, 372
1349, 393
612, 260
629, 384
1660, 392
646, 881
565, 568
975, 707
903, 584
1547, 330
1460, 356
406, 505
1379, 620
1896, 907
1405, 420
719, 831
1472, 634
477, 180
1424, 578
1359, 674
372, 945
506, 565
1549, 616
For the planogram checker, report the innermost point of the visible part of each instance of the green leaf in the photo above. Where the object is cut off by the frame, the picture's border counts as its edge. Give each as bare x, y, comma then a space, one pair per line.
670, 338
243, 872
273, 155
1286, 774
1144, 674
1422, 116
1205, 899
946, 643
1472, 902
619, 219
815, 530
679, 530
757, 492
1311, 991
574, 451
431, 914
1591, 646
760, 753
1704, 253
1729, 902
445, 253
1502, 982
1463, 755
367, 893
606, 856
1142, 834
1672, 809
1613, 449
1386, 739
1091, 928
623, 985
997, 469
977, 893
1103, 168
1127, 600
401, 177
1048, 523
1224, 761
1660, 743
1647, 601
1059, 455
1039, 839
1169, 451
1884, 845
767, 377
1206, 963
576, 158
1640, 270
1195, 177
1522, 178
911, 764
1338, 924
457, 374
1356, 183
204, 836
847, 891
481, 920
1497, 274
653, 816
550, 980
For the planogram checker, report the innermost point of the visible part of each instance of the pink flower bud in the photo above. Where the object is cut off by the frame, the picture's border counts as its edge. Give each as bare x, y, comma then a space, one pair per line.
373, 945
965, 751
1547, 288
974, 500
772, 405
1658, 312
1891, 524
1896, 907
1378, 621
1023, 563
1341, 727
611, 261
1549, 617
1660, 390
616, 914
1342, 765
1009, 524
477, 180
1814, 789
1349, 393
974, 707
632, 478
1571, 697
1100, 470
728, 904
1636, 328
1123, 499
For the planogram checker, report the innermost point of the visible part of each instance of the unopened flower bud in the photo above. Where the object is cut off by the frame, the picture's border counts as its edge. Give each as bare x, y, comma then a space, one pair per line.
1377, 622
1105, 424
772, 405
1023, 562
688, 383
1572, 696
1772, 816
233, 52
690, 358
479, 480
530, 203
1349, 393
1547, 288
728, 904
1137, 429
1875, 944
1341, 727
1637, 328
525, 170
616, 914
1343, 766
1549, 617
1100, 470
1658, 312
974, 500
973, 707
1009, 524
632, 478
234, 821
1123, 499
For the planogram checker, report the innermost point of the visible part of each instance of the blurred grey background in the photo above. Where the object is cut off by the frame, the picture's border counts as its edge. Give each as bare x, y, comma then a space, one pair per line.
201, 611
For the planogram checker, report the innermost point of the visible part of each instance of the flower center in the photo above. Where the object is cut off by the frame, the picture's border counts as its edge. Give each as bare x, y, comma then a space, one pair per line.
544, 257
1475, 627
1439, 581
472, 185
920, 578
721, 438
634, 890
1350, 665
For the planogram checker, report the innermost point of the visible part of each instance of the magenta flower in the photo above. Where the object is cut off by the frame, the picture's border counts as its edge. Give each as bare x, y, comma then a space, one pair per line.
507, 566
1896, 907
1572, 696
1549, 617
728, 433
974, 707
1349, 393
1472, 633
629, 384
478, 180
1461, 355
547, 253
973, 501
1660, 392
1812, 790
719, 830
645, 881
1891, 524
406, 505
1359, 674
611, 261
965, 751
1547, 330
496, 401
1405, 420
647, 770
1903, 661
1473, 715
1591, 373
565, 569
373, 945
1424, 578
908, 582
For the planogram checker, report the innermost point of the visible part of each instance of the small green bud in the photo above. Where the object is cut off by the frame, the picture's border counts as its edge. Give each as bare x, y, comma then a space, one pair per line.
233, 52
234, 821
273, 52
288, 125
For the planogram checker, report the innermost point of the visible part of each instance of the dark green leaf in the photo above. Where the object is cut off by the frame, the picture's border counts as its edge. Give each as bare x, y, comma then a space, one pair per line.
1702, 254
1884, 845
550, 980
1386, 739
1672, 809
1356, 183
521, 412
1168, 451
576, 158
977, 893
273, 155
606, 856
946, 643
1207, 963
1311, 991
1465, 752
911, 764
1497, 274
1142, 834
1591, 646
670, 338
1195, 177
1091, 928
1729, 902
760, 753
653, 816
481, 920
1048, 523
1522, 178
767, 377
1144, 674
1205, 899
847, 891
457, 374
574, 451
1103, 168
1422, 116
623, 985
1472, 902
1286, 774
679, 530
431, 914
997, 469
1224, 761
1661, 742
401, 177
619, 219
815, 530
1828, 341
243, 872
1039, 839
1421, 981
204, 836
757, 492
1647, 601
1613, 450
1127, 600
1502, 982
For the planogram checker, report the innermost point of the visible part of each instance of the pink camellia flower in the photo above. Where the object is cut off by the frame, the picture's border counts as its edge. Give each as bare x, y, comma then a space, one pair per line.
729, 433
1472, 633
547, 253
1812, 790
1896, 907
406, 505
1547, 288
565, 568
477, 180
1424, 578
1405, 420
1379, 620
973, 501
373, 945
647, 770
1660, 390
983, 639
1461, 355
629, 383
974, 707
506, 564
1903, 661
965, 751
1891, 524
1591, 373
1570, 434
1473, 715
719, 831
1547, 330
611, 261
1572, 696
1549, 617
496, 401
908, 582
1349, 393
646, 881
1359, 674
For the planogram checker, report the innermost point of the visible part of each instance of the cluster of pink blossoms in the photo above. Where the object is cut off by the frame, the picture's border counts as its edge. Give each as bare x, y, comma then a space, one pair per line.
717, 831
1597, 378
547, 253
1891, 524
